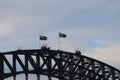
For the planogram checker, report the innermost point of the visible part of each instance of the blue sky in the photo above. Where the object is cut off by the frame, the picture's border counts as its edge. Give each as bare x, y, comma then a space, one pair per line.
90, 25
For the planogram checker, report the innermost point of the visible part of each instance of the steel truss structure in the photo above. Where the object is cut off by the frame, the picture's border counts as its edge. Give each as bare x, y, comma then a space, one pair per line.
55, 63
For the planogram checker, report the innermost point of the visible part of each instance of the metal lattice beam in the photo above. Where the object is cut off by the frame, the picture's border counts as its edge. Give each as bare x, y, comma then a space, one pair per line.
56, 63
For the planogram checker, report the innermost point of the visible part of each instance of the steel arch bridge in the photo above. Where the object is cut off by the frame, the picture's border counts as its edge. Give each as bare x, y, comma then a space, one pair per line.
55, 63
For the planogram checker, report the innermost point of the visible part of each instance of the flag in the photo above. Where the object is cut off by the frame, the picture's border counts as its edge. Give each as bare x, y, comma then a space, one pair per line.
43, 37
62, 35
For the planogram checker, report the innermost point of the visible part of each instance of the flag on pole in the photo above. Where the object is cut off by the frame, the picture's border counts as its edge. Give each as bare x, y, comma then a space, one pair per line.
43, 37
62, 35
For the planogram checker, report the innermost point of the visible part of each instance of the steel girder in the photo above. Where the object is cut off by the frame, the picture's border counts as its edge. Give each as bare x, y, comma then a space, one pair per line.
55, 63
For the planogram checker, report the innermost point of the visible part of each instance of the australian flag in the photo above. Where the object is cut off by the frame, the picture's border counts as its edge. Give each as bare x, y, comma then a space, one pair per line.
62, 35
43, 37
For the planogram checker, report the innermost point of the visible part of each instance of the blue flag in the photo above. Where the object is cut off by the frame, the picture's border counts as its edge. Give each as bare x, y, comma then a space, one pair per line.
62, 35
43, 37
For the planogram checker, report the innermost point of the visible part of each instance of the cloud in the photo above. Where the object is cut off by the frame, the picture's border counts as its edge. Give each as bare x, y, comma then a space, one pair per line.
109, 54
12, 25
102, 42
22, 21
20, 15
4, 30
92, 32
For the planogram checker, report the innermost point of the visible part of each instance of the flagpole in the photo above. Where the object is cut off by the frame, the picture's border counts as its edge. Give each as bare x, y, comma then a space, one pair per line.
41, 38
39, 43
61, 35
59, 43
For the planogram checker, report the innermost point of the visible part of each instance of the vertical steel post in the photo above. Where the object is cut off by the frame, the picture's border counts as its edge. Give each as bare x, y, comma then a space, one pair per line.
26, 66
71, 71
14, 65
38, 64
49, 65
60, 66
113, 75
1, 67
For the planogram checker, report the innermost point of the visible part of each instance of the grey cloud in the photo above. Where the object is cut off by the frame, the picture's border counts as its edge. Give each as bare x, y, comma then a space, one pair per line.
108, 54
22, 21
95, 32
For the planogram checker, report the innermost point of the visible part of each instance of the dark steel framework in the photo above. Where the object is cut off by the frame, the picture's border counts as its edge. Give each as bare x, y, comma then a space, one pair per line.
55, 63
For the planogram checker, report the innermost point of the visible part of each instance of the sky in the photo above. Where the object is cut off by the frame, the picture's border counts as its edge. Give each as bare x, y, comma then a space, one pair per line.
92, 26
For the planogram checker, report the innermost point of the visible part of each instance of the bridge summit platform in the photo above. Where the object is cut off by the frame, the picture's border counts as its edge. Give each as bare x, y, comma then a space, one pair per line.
55, 63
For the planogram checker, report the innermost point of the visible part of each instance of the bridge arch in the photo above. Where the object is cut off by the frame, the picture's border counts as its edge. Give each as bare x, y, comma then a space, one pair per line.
55, 63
